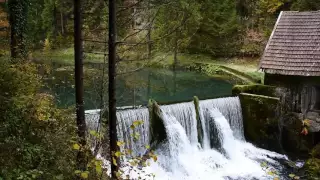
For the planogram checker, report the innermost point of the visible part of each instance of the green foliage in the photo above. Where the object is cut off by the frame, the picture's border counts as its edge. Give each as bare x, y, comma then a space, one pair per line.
313, 163
219, 29
52, 20
313, 168
36, 31
35, 136
18, 11
134, 162
306, 5
258, 19
176, 23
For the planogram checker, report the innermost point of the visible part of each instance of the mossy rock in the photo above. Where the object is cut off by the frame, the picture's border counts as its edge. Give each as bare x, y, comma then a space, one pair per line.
254, 89
157, 128
199, 126
313, 168
260, 120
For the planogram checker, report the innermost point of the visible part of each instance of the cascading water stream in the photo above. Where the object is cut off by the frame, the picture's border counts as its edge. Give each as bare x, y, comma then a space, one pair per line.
92, 119
125, 133
243, 153
181, 157
229, 107
185, 114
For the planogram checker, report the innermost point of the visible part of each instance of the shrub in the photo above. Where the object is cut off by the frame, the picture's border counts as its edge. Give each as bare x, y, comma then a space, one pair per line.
35, 136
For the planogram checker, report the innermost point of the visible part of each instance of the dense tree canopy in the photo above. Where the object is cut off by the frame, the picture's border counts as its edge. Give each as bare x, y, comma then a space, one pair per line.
220, 28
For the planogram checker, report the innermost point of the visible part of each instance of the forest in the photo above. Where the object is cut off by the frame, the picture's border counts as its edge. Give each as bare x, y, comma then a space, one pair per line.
160, 44
217, 28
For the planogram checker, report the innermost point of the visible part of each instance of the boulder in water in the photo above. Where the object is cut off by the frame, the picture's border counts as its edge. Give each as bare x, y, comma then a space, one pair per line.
157, 128
199, 126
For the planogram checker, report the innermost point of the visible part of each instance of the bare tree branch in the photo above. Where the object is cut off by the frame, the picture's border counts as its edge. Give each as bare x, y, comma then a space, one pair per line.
128, 7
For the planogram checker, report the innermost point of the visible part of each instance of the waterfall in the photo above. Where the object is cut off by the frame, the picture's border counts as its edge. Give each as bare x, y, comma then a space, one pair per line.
181, 157
238, 149
125, 133
230, 108
185, 114
92, 119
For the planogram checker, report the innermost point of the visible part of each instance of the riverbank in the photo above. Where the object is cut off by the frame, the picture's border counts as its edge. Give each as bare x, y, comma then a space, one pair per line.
63, 56
245, 69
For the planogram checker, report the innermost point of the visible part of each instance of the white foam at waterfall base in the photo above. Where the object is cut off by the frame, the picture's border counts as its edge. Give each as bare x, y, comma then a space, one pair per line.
178, 158
242, 155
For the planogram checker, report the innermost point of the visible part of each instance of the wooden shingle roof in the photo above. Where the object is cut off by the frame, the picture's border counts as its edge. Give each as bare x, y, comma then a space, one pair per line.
294, 45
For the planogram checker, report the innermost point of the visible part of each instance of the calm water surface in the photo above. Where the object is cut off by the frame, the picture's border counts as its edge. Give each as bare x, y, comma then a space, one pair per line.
165, 86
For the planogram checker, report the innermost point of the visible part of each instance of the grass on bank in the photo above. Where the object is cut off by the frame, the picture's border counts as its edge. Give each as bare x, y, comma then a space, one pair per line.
248, 66
64, 56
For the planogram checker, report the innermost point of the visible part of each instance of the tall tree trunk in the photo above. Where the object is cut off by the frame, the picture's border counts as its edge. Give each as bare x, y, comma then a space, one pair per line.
112, 84
175, 55
174, 82
175, 59
175, 63
134, 96
78, 55
55, 22
62, 23
18, 11
149, 43
149, 86
149, 33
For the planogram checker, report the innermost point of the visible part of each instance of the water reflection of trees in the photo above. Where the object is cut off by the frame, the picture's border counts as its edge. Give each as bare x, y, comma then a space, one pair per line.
135, 88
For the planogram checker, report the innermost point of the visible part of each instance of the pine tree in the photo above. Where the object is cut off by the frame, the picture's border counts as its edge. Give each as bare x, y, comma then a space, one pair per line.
175, 25
18, 11
219, 28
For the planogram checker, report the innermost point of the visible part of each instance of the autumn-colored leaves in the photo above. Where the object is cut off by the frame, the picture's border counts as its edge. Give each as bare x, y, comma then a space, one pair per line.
305, 125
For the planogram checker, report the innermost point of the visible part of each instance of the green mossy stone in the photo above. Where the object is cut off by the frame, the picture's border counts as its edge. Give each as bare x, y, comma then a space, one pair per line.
199, 126
254, 89
157, 128
260, 120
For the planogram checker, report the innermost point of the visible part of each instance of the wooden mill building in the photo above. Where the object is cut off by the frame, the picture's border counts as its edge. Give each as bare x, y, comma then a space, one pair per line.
292, 60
